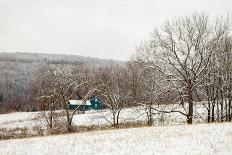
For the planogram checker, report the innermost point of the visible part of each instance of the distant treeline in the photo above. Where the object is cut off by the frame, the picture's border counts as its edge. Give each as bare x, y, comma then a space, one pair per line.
17, 70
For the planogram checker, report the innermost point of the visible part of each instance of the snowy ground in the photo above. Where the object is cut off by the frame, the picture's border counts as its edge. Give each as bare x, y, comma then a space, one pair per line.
183, 139
90, 118
19, 119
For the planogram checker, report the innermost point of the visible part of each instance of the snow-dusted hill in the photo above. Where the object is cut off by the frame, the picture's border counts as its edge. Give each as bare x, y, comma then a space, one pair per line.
183, 139
18, 70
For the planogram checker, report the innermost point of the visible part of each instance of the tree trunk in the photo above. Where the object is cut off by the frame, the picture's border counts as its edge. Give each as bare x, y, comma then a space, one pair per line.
222, 115
208, 110
229, 110
69, 122
213, 111
209, 104
117, 119
69, 126
226, 110
218, 112
190, 111
50, 124
51, 118
222, 106
114, 120
150, 120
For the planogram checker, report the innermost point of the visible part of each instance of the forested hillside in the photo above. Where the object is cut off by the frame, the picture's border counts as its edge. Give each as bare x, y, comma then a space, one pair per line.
17, 70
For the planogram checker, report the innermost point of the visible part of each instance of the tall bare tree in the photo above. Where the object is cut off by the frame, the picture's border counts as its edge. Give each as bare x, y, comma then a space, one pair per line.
114, 90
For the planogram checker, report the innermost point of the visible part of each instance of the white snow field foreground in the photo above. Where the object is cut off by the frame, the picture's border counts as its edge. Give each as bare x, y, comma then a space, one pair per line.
183, 139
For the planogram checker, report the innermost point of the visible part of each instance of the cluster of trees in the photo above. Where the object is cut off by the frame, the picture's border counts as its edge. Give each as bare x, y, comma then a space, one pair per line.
189, 58
185, 62
218, 83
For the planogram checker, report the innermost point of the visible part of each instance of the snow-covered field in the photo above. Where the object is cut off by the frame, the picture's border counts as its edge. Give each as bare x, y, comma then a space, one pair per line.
183, 139
19, 119
90, 118
173, 139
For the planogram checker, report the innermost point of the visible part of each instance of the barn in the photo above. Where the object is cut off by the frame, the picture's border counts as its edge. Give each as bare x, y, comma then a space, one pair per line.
93, 103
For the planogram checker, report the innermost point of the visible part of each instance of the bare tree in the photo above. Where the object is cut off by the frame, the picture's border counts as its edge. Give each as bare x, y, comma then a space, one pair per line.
43, 89
66, 82
114, 91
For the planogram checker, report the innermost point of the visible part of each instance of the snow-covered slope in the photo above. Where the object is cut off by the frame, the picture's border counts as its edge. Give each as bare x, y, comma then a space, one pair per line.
182, 139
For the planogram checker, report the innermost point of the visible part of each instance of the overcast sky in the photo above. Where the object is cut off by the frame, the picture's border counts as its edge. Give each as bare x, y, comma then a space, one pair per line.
98, 28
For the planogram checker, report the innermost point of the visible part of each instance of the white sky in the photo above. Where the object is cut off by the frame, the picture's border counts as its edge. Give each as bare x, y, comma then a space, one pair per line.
98, 28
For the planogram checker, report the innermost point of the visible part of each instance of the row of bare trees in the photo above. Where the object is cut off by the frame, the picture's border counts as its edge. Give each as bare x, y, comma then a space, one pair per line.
57, 84
218, 83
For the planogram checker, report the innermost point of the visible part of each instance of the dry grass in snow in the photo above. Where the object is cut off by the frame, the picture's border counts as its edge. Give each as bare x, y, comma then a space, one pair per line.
183, 139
